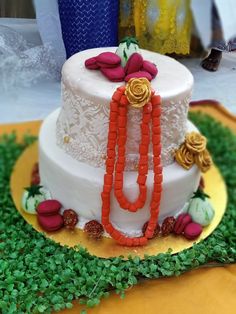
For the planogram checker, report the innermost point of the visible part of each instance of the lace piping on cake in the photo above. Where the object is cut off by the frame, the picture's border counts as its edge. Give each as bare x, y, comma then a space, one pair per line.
82, 129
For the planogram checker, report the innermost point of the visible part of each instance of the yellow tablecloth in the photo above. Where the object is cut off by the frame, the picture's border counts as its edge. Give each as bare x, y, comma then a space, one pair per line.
208, 290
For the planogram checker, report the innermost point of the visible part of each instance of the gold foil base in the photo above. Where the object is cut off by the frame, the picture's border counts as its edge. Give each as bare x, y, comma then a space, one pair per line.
107, 247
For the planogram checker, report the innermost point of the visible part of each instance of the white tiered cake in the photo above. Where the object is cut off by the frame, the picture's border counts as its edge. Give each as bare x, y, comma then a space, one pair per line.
73, 143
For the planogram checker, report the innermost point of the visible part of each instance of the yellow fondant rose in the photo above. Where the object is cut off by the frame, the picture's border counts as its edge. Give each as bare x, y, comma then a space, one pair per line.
184, 157
203, 160
138, 92
195, 142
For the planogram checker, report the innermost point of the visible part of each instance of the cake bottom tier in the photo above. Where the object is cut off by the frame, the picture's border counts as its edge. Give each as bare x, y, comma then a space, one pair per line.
78, 186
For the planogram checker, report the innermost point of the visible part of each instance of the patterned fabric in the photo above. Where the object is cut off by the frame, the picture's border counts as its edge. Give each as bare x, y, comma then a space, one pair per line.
83, 123
163, 26
88, 24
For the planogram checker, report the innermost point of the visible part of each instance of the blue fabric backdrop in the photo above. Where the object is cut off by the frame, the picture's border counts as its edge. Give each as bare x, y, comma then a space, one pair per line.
88, 24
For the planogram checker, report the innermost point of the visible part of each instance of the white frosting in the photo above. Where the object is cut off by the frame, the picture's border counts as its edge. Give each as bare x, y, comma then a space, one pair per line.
78, 185
85, 109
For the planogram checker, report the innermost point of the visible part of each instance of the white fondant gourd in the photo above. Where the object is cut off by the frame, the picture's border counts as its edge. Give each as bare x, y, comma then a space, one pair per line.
201, 211
30, 203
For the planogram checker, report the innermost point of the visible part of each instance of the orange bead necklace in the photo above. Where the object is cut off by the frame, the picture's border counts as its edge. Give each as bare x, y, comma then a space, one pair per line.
117, 136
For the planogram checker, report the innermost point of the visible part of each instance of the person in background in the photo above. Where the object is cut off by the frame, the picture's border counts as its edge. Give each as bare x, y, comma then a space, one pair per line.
218, 44
163, 26
17, 8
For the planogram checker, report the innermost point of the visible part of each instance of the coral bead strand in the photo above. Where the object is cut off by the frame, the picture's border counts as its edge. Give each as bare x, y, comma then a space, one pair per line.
117, 136
157, 168
143, 161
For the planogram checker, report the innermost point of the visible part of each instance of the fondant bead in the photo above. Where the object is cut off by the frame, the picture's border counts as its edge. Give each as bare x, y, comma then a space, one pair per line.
157, 188
48, 207
156, 112
113, 116
123, 111
156, 100
119, 167
139, 74
156, 121
156, 140
108, 58
156, 151
108, 179
107, 188
121, 151
181, 222
111, 153
157, 159
50, 223
122, 121
146, 118
143, 159
111, 144
116, 74
143, 169
91, 64
112, 135
142, 179
156, 130
114, 106
122, 131
192, 231
150, 68
117, 96
156, 196
143, 149
134, 63
124, 101
119, 177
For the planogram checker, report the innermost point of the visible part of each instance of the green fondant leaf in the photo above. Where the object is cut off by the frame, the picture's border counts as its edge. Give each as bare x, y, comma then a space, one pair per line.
33, 190
125, 55
200, 194
129, 41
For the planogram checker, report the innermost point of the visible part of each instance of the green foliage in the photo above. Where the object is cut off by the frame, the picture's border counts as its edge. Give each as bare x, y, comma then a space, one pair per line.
39, 276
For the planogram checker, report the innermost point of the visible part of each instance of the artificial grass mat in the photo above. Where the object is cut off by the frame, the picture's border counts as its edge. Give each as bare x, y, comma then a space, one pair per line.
40, 276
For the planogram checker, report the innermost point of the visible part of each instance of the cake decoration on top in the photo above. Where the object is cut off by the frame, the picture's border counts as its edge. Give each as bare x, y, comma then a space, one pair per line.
138, 92
127, 46
115, 69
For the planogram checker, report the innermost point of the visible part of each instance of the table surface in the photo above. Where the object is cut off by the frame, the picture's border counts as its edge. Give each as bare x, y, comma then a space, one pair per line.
206, 290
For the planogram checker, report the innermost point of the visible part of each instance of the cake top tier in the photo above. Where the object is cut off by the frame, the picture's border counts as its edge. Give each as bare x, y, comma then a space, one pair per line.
172, 79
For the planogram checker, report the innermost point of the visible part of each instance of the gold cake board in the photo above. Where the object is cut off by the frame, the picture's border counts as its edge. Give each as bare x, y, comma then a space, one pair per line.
205, 290
106, 247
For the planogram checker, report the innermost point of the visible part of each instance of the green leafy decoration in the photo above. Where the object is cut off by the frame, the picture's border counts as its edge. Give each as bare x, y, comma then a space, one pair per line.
125, 55
200, 194
38, 275
33, 190
129, 41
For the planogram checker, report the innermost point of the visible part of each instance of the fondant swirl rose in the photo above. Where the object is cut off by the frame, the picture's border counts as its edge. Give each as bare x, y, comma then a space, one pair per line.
195, 142
184, 157
203, 160
138, 92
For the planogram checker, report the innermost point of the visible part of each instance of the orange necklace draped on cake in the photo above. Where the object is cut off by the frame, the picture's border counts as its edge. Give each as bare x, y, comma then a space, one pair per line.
117, 136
